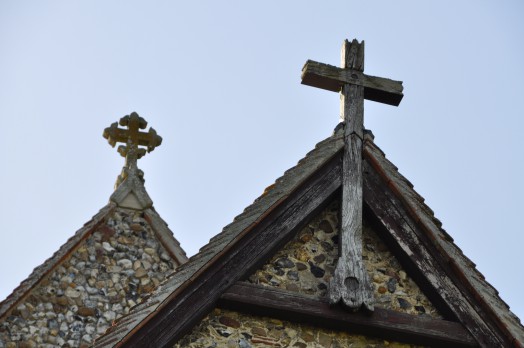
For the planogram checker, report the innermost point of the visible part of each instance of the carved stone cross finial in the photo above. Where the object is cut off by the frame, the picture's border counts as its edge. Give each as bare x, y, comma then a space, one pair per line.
350, 282
132, 137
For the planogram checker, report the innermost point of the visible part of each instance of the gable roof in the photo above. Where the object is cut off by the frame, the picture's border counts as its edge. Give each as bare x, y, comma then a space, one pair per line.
45, 268
120, 201
301, 191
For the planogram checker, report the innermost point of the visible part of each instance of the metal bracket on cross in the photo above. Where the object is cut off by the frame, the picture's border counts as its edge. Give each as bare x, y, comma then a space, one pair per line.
350, 283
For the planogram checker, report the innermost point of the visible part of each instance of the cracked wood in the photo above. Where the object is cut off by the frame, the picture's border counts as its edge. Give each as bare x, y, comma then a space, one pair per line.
350, 283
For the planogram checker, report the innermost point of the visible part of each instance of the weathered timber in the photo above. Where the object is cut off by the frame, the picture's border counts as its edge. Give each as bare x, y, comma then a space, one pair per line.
332, 78
387, 324
350, 283
252, 248
352, 55
417, 251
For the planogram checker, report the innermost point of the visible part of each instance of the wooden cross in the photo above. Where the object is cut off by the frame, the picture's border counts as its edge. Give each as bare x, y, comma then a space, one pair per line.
132, 137
350, 282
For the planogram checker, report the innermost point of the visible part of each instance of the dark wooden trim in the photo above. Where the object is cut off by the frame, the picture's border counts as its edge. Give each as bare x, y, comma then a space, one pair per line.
418, 255
196, 299
382, 323
332, 78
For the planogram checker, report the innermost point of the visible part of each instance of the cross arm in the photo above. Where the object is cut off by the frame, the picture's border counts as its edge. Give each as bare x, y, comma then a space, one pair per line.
332, 78
115, 134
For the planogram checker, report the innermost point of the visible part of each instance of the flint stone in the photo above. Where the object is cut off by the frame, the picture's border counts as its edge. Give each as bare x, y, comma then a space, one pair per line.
52, 324
125, 263
284, 262
420, 309
325, 226
72, 293
140, 272
24, 313
319, 258
87, 338
109, 316
242, 343
292, 275
114, 269
151, 243
392, 285
81, 265
86, 311
403, 303
107, 247
128, 272
322, 286
278, 271
228, 321
402, 275
301, 266
63, 326
316, 271
326, 246
150, 251
136, 227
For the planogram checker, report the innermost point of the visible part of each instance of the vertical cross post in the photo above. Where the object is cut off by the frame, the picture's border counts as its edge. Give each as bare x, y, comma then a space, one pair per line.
350, 283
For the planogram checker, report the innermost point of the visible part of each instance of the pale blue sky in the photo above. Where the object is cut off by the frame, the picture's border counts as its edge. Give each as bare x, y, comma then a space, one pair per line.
221, 84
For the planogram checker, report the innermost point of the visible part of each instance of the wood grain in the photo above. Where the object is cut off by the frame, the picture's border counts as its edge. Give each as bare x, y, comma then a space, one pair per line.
352, 55
350, 283
332, 78
382, 323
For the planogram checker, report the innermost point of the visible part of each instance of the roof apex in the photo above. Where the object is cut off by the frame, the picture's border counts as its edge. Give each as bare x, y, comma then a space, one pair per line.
132, 194
487, 310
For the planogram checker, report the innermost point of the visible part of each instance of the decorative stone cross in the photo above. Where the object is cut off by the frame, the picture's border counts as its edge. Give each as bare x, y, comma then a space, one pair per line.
133, 138
350, 283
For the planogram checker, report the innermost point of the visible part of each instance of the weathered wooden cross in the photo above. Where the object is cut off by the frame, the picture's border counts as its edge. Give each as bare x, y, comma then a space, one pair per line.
350, 283
132, 137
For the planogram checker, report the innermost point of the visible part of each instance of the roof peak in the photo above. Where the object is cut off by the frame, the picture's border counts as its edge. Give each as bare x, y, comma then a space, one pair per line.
129, 187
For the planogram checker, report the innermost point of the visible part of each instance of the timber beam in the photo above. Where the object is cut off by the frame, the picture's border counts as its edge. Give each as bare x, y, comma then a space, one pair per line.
332, 78
387, 324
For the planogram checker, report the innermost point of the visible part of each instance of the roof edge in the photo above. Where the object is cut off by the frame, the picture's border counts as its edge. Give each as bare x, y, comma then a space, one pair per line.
462, 266
166, 236
21, 291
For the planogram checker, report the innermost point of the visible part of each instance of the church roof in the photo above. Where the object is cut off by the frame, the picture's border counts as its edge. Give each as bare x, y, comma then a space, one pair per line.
117, 257
464, 294
159, 226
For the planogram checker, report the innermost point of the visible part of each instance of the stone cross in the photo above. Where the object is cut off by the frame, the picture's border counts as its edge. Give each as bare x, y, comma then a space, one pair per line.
133, 138
350, 282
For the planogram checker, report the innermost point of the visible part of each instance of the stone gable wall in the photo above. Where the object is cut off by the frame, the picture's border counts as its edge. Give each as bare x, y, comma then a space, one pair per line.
108, 273
228, 329
306, 264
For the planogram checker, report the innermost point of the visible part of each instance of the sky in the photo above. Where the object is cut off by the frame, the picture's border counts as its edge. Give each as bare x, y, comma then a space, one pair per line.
220, 82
